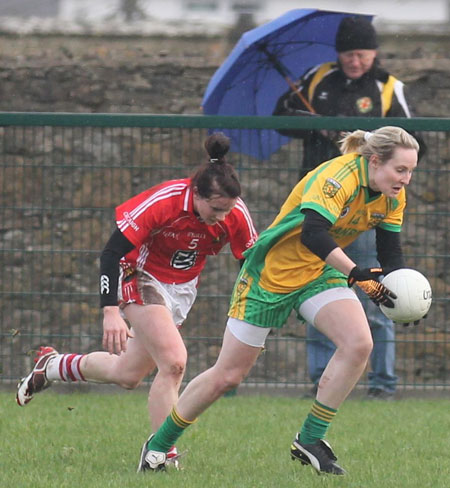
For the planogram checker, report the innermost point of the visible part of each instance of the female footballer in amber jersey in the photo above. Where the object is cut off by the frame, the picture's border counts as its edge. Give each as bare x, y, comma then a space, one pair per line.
299, 264
338, 191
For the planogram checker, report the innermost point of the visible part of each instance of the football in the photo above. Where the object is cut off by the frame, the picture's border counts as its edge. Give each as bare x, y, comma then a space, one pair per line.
413, 292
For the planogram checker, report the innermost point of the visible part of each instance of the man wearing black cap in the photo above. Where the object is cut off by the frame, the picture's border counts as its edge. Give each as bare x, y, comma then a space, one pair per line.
355, 86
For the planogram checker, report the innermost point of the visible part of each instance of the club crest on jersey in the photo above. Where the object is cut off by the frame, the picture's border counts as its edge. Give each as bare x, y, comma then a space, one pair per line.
218, 239
241, 286
243, 283
364, 105
375, 219
331, 187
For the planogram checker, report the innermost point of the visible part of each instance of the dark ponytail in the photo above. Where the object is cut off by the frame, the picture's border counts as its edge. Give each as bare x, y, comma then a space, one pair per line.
217, 176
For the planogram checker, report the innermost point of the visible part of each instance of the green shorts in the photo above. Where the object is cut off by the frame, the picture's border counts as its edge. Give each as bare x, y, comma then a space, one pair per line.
252, 304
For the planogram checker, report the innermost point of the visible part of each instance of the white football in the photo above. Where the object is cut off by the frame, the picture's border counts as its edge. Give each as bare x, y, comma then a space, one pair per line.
413, 292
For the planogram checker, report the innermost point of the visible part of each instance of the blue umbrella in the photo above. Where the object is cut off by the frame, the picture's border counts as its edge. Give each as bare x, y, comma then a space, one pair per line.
263, 64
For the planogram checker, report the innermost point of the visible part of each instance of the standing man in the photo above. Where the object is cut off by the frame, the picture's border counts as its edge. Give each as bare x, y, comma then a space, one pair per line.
355, 85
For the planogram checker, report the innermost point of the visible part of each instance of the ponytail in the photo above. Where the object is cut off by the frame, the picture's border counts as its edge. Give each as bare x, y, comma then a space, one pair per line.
217, 176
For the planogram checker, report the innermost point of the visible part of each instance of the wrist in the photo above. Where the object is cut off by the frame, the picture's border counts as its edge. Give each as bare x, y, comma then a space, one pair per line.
111, 310
354, 271
353, 276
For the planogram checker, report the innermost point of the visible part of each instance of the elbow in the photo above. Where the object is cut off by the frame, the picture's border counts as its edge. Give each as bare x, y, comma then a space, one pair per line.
306, 238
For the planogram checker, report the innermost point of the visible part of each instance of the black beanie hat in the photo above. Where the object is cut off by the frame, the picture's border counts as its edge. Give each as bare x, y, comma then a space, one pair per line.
355, 33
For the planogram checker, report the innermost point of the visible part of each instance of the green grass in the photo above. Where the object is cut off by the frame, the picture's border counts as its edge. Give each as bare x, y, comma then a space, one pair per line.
93, 440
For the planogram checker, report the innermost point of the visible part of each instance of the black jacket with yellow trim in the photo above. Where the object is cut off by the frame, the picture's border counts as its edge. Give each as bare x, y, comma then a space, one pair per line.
331, 93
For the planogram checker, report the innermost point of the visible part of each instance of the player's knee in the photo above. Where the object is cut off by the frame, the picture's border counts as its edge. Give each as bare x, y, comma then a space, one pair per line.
361, 349
174, 367
230, 380
356, 349
177, 368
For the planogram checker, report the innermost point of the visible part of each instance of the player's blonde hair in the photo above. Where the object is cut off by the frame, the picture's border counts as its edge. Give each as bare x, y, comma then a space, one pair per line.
381, 142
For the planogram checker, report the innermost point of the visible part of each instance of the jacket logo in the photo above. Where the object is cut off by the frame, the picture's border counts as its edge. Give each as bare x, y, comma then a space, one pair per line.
331, 187
364, 104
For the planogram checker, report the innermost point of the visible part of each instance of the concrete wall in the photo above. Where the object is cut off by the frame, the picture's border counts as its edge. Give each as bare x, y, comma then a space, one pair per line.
92, 74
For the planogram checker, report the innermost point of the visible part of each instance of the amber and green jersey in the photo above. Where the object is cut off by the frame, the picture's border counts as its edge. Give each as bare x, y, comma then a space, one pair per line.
339, 191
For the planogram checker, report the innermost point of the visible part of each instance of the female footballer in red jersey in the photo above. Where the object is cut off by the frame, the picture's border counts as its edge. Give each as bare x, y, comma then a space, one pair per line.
299, 264
149, 273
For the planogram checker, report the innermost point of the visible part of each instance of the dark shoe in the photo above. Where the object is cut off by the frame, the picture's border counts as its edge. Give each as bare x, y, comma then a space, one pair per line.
156, 460
36, 381
151, 460
379, 394
319, 455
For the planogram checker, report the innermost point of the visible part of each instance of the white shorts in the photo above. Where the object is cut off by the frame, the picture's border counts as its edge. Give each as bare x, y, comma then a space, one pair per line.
145, 289
309, 308
255, 336
249, 334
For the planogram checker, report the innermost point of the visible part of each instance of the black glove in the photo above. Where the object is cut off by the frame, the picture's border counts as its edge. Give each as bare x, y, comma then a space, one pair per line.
407, 324
367, 280
416, 322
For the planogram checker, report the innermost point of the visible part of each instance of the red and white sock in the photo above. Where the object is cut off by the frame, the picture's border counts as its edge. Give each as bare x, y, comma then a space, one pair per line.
65, 367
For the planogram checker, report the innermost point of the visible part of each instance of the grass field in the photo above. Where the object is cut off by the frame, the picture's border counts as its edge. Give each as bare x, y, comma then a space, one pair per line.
93, 440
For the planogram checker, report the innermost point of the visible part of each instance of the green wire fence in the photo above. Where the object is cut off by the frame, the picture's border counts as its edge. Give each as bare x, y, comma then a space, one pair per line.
61, 175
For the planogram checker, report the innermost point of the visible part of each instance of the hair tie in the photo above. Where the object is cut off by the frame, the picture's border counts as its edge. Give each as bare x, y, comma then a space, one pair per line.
367, 136
213, 160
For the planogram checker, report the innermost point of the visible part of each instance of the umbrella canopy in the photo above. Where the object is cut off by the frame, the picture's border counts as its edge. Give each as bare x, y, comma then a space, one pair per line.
261, 66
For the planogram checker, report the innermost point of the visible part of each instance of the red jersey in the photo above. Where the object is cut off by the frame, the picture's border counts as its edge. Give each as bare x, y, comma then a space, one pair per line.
170, 242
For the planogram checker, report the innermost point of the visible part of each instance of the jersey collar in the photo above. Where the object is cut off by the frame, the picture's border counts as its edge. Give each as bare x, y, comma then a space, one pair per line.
363, 166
